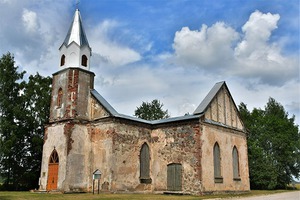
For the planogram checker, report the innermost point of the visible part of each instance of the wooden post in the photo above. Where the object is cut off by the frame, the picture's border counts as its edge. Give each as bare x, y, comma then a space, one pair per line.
98, 185
93, 186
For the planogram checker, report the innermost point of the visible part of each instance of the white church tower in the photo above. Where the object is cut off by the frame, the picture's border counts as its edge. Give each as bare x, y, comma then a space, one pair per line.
75, 50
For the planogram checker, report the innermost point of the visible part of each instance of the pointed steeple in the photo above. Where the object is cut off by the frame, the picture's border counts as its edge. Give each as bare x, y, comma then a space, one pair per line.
76, 32
75, 51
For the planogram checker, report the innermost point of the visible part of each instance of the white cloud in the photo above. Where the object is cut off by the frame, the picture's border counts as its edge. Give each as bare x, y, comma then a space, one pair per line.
229, 53
111, 52
206, 48
30, 21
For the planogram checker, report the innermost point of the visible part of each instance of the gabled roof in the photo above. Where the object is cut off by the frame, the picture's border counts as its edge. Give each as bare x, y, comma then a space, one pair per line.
209, 97
114, 113
76, 32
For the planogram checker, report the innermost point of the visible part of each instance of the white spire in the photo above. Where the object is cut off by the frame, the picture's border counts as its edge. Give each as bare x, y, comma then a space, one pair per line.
75, 51
76, 32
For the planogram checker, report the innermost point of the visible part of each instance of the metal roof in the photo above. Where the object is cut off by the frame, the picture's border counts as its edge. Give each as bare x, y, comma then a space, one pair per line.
209, 97
104, 103
114, 113
76, 32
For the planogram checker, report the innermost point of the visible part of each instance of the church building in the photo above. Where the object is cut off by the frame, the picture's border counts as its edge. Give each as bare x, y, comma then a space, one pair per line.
205, 152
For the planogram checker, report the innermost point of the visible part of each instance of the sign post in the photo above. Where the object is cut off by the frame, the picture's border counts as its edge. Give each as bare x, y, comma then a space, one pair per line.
96, 176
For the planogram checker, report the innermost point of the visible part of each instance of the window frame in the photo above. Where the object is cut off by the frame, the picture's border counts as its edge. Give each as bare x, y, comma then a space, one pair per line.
145, 164
62, 60
217, 163
235, 164
59, 98
84, 60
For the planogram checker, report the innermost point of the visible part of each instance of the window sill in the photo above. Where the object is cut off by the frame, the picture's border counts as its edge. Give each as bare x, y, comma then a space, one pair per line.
237, 179
146, 180
218, 179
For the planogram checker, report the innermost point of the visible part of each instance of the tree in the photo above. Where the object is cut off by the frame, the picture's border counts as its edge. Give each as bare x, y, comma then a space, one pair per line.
273, 146
12, 139
36, 101
151, 111
24, 108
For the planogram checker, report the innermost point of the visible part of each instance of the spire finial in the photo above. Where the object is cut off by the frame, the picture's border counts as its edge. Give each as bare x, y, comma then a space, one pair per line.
77, 3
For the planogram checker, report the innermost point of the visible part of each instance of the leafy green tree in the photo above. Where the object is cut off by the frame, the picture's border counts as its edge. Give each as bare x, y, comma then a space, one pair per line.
273, 146
12, 140
36, 101
151, 111
24, 108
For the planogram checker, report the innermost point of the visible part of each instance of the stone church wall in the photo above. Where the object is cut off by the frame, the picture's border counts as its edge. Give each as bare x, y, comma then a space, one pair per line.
226, 139
177, 143
116, 152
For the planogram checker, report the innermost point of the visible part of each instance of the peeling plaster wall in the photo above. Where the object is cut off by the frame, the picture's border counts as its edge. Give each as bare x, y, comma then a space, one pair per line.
54, 138
116, 150
227, 139
78, 172
73, 145
76, 85
177, 143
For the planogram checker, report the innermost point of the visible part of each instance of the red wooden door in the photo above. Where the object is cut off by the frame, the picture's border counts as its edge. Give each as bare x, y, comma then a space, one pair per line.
53, 171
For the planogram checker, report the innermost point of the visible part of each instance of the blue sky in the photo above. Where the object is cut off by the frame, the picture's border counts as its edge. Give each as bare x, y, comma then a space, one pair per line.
171, 50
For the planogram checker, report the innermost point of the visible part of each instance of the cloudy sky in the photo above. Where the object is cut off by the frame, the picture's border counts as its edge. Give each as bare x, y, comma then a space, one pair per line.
171, 50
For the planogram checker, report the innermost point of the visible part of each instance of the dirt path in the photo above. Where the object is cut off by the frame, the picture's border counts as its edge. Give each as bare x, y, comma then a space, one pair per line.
280, 196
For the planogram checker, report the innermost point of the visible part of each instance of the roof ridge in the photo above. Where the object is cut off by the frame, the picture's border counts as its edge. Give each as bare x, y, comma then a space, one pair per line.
209, 97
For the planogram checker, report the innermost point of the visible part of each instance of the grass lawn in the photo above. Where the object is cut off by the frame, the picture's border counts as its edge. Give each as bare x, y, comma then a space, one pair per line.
86, 196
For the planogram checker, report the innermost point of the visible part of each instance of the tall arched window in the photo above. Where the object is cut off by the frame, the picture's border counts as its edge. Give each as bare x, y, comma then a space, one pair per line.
145, 164
84, 60
217, 164
59, 98
235, 164
62, 60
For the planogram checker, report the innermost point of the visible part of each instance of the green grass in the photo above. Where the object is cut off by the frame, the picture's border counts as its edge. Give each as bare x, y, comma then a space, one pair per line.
88, 196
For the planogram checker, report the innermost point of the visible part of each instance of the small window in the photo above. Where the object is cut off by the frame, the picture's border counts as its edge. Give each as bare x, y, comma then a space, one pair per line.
145, 164
235, 164
59, 97
217, 164
62, 60
84, 60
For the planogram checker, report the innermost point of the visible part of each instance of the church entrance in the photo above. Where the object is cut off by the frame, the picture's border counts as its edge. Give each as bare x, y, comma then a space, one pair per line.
174, 174
53, 171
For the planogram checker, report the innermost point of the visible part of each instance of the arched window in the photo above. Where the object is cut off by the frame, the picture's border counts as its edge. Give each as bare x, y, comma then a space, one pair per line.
54, 157
217, 164
62, 60
59, 98
235, 164
84, 60
145, 164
